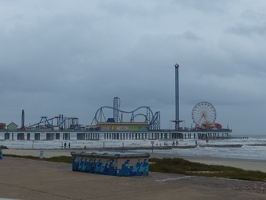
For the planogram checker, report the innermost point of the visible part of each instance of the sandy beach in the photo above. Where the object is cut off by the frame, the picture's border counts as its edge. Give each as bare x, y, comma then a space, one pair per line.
39, 179
257, 165
36, 179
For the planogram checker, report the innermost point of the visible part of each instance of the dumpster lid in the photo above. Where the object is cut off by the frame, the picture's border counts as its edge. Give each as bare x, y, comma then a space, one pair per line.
111, 154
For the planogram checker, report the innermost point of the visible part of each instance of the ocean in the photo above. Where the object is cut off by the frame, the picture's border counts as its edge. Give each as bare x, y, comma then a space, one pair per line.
253, 148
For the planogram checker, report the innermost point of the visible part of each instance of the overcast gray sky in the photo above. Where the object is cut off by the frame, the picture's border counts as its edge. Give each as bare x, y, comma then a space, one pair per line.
72, 57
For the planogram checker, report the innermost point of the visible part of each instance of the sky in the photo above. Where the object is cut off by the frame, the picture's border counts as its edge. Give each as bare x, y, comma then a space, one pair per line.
73, 57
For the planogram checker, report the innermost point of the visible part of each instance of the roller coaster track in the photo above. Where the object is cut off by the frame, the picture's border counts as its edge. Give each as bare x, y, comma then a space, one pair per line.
152, 119
65, 122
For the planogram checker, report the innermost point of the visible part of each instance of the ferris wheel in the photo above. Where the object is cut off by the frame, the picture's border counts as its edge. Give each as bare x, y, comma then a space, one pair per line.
203, 112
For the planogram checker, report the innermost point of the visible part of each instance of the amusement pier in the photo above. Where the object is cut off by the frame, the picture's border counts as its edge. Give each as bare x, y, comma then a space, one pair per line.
115, 128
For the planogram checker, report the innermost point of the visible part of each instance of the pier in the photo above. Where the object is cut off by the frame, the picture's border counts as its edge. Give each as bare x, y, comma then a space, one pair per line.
50, 135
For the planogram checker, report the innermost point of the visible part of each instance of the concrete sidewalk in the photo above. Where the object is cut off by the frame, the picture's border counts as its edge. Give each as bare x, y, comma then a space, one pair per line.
29, 179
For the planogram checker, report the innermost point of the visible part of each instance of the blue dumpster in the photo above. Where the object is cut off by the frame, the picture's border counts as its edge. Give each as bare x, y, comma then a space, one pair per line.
111, 163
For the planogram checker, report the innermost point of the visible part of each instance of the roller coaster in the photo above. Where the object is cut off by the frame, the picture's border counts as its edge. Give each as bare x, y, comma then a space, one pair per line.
153, 119
58, 121
63, 123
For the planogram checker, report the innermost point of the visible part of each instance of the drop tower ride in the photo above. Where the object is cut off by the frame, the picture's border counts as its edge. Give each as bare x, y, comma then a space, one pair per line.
176, 97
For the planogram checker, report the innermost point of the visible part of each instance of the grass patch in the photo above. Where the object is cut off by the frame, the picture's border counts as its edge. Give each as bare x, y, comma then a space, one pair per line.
181, 166
64, 159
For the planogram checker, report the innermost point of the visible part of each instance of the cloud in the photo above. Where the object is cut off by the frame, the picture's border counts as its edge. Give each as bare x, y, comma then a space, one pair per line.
245, 30
60, 57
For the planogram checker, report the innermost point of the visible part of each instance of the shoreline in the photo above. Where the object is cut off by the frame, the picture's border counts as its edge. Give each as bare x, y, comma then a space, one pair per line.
247, 164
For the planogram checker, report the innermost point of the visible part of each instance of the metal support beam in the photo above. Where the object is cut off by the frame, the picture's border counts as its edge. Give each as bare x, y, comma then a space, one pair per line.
176, 96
